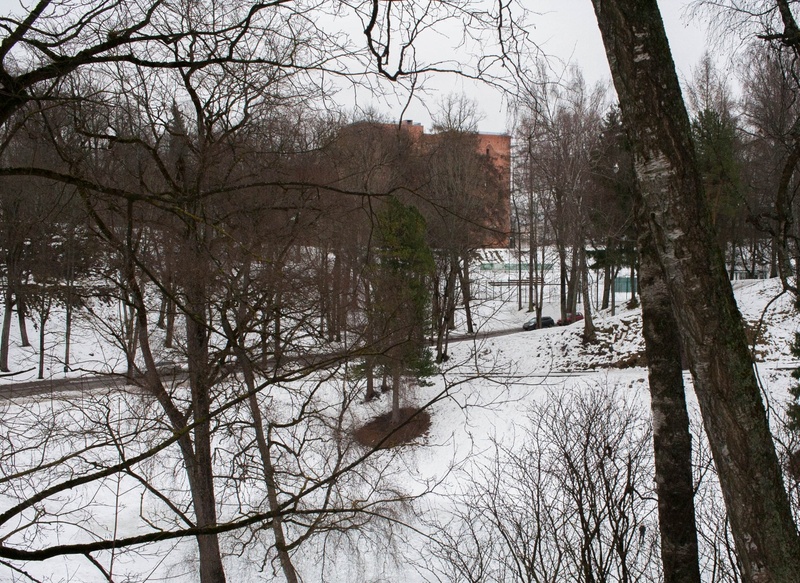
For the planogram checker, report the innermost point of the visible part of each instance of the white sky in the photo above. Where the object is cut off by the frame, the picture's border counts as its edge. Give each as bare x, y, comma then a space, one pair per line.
567, 31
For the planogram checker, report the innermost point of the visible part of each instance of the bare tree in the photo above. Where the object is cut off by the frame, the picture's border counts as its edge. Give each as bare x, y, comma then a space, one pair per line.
463, 199
569, 502
563, 127
769, 29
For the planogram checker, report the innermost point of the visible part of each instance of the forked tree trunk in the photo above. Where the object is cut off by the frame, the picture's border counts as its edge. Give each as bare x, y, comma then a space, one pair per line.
672, 442
196, 456
572, 285
711, 326
131, 338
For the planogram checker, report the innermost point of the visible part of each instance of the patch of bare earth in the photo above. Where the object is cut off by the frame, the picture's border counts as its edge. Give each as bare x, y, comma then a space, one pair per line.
630, 361
381, 433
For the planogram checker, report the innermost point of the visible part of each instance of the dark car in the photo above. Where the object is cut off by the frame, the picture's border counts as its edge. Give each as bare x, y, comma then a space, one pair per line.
571, 318
547, 322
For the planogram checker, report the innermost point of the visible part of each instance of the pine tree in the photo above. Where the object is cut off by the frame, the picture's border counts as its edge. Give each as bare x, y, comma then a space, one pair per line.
402, 293
714, 135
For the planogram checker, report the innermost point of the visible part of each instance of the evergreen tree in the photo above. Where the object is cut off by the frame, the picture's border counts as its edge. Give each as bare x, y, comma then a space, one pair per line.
611, 204
402, 294
716, 145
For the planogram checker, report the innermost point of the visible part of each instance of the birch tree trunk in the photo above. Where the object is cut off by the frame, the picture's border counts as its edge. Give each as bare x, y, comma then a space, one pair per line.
672, 442
702, 299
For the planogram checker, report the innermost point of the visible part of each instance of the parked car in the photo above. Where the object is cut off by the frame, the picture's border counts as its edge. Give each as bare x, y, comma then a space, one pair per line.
547, 322
576, 317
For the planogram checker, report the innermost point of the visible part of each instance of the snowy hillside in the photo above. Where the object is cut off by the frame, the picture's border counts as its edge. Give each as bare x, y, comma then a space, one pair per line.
504, 413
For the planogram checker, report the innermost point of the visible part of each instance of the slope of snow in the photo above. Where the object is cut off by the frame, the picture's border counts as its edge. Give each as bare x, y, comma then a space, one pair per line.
481, 401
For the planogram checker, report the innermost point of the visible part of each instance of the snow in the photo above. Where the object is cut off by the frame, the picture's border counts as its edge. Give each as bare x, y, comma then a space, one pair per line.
480, 403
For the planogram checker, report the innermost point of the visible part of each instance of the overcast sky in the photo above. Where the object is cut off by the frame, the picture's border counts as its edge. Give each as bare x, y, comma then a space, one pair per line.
567, 31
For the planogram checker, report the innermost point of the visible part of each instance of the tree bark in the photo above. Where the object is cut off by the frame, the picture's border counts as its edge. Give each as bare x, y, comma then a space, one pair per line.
196, 456
277, 336
701, 296
466, 292
42, 322
572, 285
531, 263
444, 306
606, 279
5, 336
672, 442
562, 282
22, 310
200, 468
68, 324
369, 364
589, 330
169, 333
396, 381
338, 300
130, 335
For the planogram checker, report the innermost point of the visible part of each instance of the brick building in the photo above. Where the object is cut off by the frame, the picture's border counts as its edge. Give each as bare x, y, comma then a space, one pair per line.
497, 148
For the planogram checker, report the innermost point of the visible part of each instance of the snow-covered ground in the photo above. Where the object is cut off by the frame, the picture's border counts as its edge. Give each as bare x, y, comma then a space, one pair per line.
481, 413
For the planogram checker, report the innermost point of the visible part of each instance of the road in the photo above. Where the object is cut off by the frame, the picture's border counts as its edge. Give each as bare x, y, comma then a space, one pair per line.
87, 383
21, 390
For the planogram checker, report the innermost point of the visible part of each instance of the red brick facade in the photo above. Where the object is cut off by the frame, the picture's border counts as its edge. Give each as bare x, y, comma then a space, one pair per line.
497, 147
